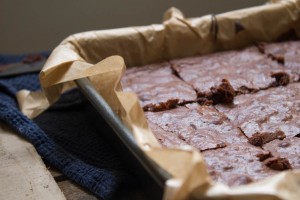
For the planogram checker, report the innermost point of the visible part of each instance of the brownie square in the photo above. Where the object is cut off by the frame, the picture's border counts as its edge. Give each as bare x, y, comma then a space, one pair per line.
288, 148
266, 115
246, 70
237, 164
156, 84
202, 127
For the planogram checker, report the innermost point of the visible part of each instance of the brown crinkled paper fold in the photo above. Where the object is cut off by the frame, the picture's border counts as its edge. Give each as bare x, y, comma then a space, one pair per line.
92, 54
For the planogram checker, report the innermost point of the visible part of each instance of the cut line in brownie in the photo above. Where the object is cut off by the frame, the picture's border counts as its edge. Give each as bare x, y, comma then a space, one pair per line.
202, 127
286, 53
157, 87
266, 115
238, 164
245, 70
288, 148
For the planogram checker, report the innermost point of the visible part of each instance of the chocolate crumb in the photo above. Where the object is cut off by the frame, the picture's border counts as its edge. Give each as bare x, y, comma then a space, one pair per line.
228, 167
278, 58
172, 103
224, 93
212, 173
278, 163
259, 139
282, 78
263, 156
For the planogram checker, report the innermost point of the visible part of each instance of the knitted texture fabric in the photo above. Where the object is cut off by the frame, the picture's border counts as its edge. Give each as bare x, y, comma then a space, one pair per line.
66, 138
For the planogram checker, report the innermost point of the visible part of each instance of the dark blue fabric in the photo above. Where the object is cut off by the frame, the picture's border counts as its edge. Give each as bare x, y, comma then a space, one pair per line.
102, 182
99, 170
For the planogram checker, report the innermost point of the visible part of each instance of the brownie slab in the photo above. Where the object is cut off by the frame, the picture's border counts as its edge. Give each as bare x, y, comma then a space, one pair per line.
156, 84
254, 132
266, 115
288, 148
246, 70
202, 127
237, 164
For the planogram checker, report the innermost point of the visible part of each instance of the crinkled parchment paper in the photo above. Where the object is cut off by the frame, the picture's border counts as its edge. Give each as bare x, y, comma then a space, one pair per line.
93, 54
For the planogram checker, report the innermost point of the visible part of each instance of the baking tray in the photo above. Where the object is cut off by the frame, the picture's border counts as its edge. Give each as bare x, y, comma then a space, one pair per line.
149, 173
102, 56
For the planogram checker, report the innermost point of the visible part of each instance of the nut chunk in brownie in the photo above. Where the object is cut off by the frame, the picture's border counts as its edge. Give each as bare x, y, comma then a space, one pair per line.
288, 148
237, 164
202, 127
286, 53
157, 87
245, 70
266, 115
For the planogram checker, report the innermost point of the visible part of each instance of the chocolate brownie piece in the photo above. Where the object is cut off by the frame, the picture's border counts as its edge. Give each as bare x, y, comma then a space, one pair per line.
286, 53
157, 87
278, 163
237, 164
266, 115
245, 71
166, 138
288, 148
202, 127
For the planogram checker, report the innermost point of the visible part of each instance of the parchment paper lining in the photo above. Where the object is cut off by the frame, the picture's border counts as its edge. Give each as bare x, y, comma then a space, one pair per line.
92, 54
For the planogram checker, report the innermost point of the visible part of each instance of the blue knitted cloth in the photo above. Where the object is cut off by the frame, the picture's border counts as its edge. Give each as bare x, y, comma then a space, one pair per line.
91, 163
